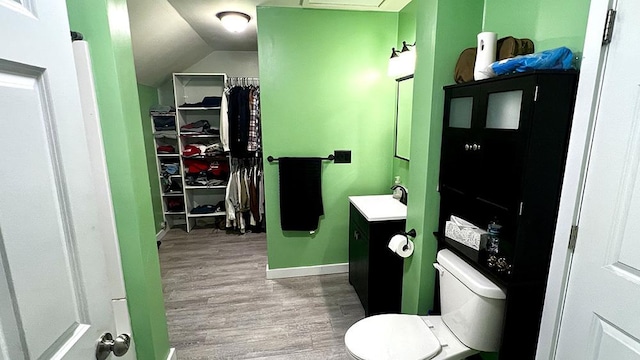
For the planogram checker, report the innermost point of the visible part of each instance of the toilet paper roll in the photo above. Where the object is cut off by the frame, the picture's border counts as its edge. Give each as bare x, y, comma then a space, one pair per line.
486, 54
401, 245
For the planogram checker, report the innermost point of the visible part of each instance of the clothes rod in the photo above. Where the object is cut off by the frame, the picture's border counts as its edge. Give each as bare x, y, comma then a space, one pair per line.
272, 159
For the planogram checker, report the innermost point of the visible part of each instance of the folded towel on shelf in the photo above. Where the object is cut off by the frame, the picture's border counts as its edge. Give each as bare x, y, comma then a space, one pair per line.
300, 193
207, 101
200, 126
164, 123
166, 149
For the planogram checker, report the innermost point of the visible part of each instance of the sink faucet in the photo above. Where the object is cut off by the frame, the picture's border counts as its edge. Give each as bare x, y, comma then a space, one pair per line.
403, 198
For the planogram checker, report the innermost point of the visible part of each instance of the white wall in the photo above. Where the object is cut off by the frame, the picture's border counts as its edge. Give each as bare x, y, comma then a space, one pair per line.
232, 63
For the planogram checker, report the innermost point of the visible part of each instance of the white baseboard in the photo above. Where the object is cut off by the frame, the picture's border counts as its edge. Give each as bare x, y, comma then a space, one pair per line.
307, 271
172, 354
161, 234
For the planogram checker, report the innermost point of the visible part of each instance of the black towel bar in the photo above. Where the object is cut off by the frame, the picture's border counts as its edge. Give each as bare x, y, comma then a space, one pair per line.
272, 159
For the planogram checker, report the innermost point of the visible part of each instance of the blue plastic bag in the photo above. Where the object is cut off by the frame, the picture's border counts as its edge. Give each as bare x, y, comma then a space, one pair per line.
554, 59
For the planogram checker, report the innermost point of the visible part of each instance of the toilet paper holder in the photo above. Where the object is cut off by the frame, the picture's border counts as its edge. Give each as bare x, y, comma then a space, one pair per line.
408, 234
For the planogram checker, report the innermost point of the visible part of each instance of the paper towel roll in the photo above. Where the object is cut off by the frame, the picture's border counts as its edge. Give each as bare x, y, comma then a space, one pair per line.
401, 245
486, 54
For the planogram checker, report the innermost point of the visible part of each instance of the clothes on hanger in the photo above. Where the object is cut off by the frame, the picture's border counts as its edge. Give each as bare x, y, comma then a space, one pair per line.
244, 201
253, 141
224, 120
243, 115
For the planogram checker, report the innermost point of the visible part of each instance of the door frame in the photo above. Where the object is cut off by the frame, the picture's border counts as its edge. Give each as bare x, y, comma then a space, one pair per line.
587, 102
105, 26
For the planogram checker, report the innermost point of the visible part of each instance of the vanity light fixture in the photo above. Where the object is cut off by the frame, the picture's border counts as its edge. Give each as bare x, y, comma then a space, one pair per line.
402, 63
234, 21
395, 64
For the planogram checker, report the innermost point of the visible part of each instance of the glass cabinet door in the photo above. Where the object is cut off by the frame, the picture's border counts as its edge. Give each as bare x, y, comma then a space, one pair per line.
460, 112
503, 110
503, 144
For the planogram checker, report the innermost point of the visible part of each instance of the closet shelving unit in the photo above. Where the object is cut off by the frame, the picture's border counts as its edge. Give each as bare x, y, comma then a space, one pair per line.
192, 88
170, 184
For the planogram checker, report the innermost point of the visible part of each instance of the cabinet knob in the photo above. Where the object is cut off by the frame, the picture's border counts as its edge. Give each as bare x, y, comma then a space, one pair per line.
467, 147
475, 147
478, 146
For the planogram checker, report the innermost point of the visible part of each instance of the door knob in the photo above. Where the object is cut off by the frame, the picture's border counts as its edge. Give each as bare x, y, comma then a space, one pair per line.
107, 344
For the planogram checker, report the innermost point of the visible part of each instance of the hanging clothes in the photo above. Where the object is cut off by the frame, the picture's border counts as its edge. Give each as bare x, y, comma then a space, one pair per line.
224, 120
243, 112
253, 139
243, 194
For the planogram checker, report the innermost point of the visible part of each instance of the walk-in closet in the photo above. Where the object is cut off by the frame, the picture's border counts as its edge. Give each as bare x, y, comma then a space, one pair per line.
208, 153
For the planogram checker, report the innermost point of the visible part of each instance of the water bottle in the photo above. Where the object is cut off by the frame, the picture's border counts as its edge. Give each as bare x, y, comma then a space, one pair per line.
493, 241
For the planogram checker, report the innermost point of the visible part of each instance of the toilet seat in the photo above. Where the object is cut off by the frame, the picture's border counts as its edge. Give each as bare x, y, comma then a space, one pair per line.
391, 337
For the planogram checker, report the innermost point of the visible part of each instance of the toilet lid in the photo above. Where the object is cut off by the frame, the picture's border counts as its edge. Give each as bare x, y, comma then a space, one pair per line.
391, 336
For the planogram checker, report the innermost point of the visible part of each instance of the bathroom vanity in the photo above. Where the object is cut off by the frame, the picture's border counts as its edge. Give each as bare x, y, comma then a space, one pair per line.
375, 271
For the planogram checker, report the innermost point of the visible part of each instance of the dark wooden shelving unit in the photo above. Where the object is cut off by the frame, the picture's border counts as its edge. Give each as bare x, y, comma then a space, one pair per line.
504, 147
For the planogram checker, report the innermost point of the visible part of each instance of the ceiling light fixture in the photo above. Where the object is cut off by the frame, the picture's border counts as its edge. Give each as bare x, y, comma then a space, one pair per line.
234, 21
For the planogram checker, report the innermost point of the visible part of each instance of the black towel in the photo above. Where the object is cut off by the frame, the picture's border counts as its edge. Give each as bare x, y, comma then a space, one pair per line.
300, 193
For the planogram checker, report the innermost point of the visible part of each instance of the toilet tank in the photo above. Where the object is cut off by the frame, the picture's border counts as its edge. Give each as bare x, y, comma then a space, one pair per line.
472, 305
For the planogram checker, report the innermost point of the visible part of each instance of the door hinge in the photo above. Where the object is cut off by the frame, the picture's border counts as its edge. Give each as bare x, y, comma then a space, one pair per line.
573, 237
608, 27
535, 94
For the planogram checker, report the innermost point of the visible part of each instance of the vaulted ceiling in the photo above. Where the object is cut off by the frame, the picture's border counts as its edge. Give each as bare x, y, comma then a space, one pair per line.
171, 35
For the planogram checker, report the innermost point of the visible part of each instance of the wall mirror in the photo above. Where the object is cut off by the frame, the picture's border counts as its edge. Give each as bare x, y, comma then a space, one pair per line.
404, 106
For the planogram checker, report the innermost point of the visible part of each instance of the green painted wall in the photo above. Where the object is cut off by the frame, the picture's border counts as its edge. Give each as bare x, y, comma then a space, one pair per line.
407, 24
105, 25
549, 23
324, 88
149, 97
444, 28
406, 32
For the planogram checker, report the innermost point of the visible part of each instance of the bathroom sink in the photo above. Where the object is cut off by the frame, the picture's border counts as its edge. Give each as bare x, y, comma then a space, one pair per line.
379, 207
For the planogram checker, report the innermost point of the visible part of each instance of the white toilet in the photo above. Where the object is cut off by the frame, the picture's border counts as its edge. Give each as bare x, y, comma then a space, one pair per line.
471, 321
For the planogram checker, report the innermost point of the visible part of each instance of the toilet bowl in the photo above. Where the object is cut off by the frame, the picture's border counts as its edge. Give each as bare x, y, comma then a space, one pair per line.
471, 321
405, 337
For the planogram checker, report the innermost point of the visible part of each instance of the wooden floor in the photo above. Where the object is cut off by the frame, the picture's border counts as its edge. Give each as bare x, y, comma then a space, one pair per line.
220, 305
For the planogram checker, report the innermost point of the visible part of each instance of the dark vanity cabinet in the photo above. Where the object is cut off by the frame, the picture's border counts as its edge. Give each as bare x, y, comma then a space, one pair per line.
504, 147
375, 271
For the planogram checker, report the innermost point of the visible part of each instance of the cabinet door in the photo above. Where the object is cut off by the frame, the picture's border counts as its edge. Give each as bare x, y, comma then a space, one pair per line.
506, 108
385, 269
359, 259
458, 141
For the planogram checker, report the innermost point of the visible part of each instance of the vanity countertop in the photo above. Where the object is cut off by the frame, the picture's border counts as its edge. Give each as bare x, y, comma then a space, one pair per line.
379, 207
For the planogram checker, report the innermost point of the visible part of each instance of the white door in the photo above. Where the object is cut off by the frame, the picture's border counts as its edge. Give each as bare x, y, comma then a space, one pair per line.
601, 318
54, 300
